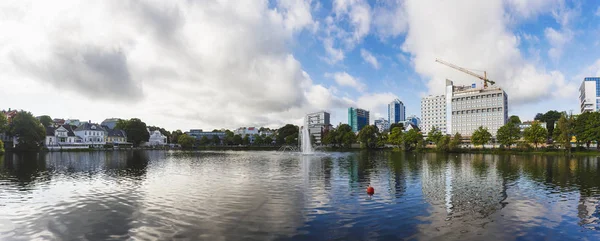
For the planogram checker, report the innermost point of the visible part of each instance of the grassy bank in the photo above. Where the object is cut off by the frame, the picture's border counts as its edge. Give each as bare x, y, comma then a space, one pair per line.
516, 151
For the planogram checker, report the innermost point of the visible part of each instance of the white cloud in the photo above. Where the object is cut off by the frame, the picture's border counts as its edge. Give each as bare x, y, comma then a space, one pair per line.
356, 14
390, 18
531, 8
557, 40
376, 103
598, 12
485, 44
344, 79
367, 56
177, 64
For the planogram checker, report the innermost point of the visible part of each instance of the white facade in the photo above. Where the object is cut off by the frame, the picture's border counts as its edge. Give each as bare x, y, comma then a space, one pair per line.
463, 109
382, 124
157, 139
433, 113
91, 134
589, 95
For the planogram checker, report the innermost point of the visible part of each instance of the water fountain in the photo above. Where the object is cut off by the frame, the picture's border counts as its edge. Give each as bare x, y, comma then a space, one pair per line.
306, 146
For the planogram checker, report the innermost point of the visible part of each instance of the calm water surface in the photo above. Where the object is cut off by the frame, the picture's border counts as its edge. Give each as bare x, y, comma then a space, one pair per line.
157, 195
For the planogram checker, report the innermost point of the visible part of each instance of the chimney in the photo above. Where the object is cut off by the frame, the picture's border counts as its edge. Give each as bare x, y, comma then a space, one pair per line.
90, 121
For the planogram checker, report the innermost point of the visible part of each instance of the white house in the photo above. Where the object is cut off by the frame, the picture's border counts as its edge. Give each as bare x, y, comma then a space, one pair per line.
156, 139
62, 137
91, 134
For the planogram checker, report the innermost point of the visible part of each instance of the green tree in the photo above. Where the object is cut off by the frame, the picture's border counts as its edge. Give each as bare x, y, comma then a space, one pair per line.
443, 143
508, 134
348, 139
434, 135
237, 140
286, 131
46, 120
186, 141
514, 119
396, 136
550, 118
1, 147
481, 136
394, 125
3, 123
136, 130
368, 136
228, 140
175, 136
328, 137
564, 131
28, 130
258, 140
268, 140
455, 142
539, 117
204, 140
413, 139
291, 140
246, 140
216, 140
535, 134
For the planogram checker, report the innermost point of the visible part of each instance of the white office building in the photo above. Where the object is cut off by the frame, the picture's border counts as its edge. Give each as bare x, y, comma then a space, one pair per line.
433, 113
318, 123
464, 109
382, 124
589, 94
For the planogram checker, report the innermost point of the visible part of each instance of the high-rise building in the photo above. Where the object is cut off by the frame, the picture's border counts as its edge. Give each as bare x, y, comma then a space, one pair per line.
433, 113
464, 108
396, 111
589, 94
382, 124
357, 118
318, 123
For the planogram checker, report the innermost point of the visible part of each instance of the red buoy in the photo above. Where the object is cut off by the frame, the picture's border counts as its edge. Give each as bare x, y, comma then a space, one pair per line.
370, 190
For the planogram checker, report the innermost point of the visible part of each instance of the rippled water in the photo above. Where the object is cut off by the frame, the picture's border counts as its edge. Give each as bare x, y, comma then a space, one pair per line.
156, 195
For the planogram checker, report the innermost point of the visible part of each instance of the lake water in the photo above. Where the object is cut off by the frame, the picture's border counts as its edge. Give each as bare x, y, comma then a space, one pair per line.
158, 195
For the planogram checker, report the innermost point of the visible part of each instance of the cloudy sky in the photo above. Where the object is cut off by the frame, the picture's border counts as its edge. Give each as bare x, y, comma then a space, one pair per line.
217, 63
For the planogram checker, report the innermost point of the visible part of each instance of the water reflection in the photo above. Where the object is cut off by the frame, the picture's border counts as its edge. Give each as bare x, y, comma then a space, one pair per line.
159, 195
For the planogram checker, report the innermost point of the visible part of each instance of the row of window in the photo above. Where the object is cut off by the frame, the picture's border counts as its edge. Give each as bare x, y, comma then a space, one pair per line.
476, 111
94, 133
476, 97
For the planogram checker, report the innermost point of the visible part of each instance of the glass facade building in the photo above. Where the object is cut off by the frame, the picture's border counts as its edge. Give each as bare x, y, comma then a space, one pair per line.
357, 118
396, 111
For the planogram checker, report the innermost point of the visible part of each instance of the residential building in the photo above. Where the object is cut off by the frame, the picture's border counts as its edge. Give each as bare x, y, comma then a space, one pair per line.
589, 94
198, 134
414, 119
409, 126
117, 137
156, 138
111, 123
357, 118
63, 137
382, 124
396, 111
464, 108
433, 112
318, 123
58, 122
73, 122
91, 134
526, 124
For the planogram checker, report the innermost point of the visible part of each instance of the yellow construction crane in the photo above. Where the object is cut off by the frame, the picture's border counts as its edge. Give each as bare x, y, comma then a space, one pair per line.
484, 77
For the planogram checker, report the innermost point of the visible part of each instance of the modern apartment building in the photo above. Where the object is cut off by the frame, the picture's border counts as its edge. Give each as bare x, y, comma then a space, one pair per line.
589, 94
464, 108
382, 124
357, 118
318, 123
396, 111
433, 113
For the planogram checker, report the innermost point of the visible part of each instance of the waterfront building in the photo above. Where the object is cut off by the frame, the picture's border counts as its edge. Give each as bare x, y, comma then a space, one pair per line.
396, 111
589, 94
382, 124
91, 134
318, 123
117, 137
433, 112
111, 123
156, 138
73, 122
464, 108
63, 137
357, 118
198, 134
58, 122
414, 120
526, 124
